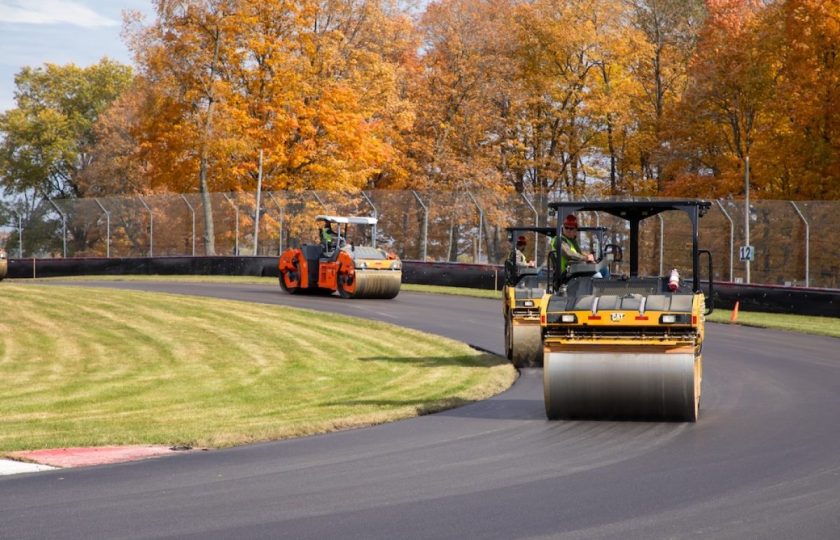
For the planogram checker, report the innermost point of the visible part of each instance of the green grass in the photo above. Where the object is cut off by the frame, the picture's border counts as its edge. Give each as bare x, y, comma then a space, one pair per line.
824, 326
82, 367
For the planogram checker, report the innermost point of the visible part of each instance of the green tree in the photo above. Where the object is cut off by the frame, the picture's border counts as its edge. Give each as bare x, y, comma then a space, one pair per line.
47, 138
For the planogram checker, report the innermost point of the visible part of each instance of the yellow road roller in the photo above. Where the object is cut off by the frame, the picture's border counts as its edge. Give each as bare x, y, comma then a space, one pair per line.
337, 264
625, 346
525, 285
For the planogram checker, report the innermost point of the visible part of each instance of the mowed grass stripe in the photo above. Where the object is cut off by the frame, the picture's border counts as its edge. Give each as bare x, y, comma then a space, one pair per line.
86, 367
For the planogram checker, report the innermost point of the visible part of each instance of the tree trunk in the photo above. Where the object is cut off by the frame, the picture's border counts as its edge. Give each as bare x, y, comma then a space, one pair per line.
209, 232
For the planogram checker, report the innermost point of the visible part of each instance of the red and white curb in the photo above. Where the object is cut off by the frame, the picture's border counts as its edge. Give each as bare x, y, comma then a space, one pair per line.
44, 460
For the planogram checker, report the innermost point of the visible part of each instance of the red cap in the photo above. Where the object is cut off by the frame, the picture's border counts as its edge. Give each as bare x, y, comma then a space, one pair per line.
521, 241
571, 221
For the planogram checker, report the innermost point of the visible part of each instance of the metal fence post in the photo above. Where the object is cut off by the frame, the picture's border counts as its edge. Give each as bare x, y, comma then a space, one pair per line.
661, 243
20, 234
279, 223
807, 245
425, 222
375, 215
480, 223
107, 229
236, 208
151, 228
63, 225
747, 215
317, 198
192, 211
731, 242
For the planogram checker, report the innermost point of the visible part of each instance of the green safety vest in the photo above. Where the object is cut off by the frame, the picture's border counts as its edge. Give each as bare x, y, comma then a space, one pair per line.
564, 261
326, 236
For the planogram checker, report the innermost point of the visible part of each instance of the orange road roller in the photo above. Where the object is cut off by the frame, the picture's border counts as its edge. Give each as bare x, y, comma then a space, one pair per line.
336, 264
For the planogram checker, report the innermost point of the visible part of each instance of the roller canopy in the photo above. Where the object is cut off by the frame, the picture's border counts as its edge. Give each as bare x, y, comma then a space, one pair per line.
635, 211
632, 210
360, 220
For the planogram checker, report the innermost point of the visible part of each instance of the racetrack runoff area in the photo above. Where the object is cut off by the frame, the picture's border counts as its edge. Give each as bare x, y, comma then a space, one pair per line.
135, 369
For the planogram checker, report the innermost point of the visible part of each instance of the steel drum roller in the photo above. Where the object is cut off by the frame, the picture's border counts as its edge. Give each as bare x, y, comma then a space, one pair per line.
639, 385
526, 344
373, 284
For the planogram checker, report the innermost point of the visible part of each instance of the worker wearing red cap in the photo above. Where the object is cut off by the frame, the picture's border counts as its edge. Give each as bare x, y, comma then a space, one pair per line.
521, 259
569, 247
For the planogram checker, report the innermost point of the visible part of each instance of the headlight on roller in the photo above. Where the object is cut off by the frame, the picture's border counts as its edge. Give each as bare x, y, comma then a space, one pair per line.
568, 318
671, 318
529, 303
395, 265
361, 264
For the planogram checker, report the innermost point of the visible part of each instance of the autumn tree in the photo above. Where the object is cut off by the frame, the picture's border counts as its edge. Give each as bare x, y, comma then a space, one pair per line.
314, 85
116, 167
616, 102
462, 93
726, 103
575, 60
800, 157
671, 28
320, 85
191, 125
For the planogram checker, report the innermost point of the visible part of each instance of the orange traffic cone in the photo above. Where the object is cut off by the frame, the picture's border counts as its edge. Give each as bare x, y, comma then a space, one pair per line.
734, 317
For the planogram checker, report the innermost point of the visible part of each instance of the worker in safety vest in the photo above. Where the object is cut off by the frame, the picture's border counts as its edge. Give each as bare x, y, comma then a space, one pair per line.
570, 251
521, 259
328, 236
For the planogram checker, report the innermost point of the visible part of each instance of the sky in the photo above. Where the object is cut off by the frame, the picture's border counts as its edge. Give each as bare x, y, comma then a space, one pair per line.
81, 32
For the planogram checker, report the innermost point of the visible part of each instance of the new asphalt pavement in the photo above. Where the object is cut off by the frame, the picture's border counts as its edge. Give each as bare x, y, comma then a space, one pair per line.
763, 461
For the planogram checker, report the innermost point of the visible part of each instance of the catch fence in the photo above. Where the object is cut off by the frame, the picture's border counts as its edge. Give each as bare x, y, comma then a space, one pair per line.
794, 242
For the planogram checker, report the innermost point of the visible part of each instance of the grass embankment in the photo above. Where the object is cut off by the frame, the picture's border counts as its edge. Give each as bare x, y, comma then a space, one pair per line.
821, 326
83, 367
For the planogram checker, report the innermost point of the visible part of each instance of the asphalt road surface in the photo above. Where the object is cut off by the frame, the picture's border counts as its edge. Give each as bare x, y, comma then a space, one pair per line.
762, 462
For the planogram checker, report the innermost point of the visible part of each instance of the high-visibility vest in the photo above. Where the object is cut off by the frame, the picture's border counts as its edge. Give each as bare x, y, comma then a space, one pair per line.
564, 261
326, 236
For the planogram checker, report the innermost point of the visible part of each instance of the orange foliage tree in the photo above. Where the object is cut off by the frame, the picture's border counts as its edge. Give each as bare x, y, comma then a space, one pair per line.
726, 104
800, 157
312, 84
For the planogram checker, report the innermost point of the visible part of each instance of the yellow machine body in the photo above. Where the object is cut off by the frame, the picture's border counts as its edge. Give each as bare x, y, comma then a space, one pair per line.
521, 309
620, 344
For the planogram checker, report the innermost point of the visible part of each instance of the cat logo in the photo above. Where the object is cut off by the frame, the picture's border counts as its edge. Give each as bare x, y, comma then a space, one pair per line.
616, 317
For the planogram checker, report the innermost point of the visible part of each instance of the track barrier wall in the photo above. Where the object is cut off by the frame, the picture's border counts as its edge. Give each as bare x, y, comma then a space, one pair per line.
770, 299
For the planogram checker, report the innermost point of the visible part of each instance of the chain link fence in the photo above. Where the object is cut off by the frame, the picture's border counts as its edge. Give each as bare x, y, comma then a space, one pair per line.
794, 243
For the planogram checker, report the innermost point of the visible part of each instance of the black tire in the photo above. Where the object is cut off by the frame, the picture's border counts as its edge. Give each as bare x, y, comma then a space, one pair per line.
294, 277
340, 286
